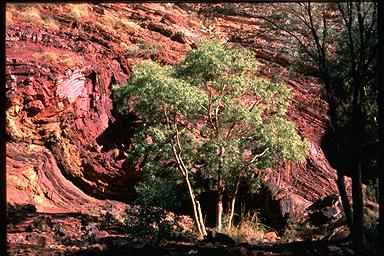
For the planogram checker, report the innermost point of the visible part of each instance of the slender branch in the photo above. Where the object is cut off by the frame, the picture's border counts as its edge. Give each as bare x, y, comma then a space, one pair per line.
362, 42
234, 123
299, 40
258, 156
325, 29
217, 118
320, 50
254, 105
230, 130
254, 159
177, 157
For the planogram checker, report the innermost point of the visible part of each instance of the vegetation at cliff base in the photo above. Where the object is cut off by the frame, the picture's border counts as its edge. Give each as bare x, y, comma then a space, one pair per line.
209, 123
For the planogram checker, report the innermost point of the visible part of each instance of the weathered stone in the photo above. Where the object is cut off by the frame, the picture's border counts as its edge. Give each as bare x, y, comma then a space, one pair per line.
324, 210
71, 118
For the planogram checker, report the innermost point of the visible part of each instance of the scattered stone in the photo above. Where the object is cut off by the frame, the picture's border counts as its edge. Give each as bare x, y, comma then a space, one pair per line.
59, 230
237, 251
348, 251
327, 201
179, 37
324, 210
216, 237
334, 250
91, 229
271, 236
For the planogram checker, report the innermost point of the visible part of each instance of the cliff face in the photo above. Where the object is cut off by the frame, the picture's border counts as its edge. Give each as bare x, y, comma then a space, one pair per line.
67, 145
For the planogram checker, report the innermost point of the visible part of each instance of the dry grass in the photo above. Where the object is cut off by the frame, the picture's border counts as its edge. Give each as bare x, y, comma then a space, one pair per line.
127, 24
47, 56
248, 229
52, 57
142, 49
70, 62
124, 45
112, 21
78, 11
51, 24
109, 20
8, 18
32, 15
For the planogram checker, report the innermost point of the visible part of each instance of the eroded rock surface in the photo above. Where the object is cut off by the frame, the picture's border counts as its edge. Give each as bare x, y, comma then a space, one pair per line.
67, 145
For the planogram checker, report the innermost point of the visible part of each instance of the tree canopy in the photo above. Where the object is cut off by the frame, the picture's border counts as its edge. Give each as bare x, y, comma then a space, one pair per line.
210, 117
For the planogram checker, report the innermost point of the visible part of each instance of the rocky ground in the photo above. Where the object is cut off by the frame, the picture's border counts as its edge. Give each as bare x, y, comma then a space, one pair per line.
33, 233
67, 147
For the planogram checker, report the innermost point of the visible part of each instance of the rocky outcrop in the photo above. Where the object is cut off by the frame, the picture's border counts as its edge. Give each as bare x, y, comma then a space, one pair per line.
65, 140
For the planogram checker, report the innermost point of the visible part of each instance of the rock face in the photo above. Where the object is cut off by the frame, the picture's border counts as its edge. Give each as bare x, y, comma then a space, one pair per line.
67, 145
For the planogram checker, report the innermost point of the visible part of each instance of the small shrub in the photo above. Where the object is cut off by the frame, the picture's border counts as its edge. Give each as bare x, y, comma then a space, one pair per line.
305, 230
155, 226
297, 231
93, 210
371, 232
371, 225
373, 190
42, 223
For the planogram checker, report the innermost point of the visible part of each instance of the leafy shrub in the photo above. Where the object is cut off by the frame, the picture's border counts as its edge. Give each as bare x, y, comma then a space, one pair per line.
371, 231
155, 226
304, 230
373, 190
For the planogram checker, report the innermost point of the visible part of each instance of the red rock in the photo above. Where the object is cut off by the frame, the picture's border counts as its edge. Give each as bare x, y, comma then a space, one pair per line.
34, 107
75, 128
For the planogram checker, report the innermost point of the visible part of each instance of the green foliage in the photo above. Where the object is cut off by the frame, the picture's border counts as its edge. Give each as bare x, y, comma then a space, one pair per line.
371, 234
212, 61
155, 227
305, 230
372, 190
197, 111
345, 53
141, 49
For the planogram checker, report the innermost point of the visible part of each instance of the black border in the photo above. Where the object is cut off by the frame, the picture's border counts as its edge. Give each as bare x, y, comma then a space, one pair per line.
380, 86
3, 185
3, 201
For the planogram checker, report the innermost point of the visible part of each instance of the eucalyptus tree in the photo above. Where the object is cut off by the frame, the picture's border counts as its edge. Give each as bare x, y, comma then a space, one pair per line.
210, 117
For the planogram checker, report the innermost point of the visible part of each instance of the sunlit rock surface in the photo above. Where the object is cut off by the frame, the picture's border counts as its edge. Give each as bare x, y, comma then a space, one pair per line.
67, 145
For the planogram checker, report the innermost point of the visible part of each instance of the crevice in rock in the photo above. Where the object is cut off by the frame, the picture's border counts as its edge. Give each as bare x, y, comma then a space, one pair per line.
122, 66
